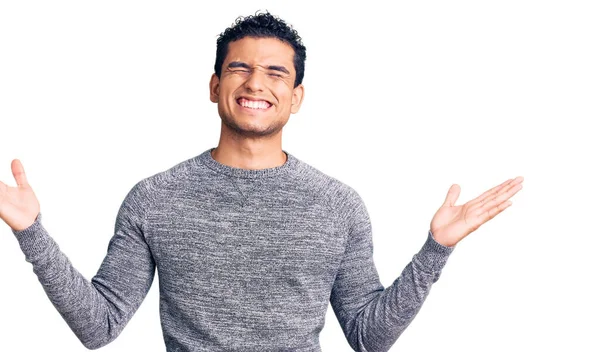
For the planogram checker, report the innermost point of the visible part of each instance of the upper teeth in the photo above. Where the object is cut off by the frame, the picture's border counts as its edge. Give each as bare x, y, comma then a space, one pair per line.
254, 104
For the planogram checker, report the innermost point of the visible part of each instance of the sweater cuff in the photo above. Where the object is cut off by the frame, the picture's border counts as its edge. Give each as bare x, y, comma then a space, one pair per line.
34, 239
433, 255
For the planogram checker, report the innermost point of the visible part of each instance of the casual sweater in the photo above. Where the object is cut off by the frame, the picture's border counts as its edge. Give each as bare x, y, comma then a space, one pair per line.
247, 260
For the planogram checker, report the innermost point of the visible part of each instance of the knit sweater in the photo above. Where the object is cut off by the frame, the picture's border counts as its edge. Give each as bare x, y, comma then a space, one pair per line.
247, 260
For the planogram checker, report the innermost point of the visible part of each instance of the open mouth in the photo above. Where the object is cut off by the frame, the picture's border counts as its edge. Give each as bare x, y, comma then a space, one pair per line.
254, 104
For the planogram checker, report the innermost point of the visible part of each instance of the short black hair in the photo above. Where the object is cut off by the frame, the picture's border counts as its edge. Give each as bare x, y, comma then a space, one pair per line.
262, 25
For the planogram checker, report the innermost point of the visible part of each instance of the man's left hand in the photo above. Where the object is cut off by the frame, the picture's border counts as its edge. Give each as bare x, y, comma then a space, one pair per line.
452, 223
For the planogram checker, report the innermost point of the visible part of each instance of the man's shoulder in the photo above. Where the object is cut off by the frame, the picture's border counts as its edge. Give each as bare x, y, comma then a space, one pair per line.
172, 176
331, 188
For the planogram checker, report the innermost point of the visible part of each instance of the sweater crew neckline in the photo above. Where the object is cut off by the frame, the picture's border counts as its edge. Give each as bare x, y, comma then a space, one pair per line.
207, 159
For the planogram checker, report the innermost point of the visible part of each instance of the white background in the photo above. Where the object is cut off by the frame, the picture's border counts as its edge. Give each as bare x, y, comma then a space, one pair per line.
401, 102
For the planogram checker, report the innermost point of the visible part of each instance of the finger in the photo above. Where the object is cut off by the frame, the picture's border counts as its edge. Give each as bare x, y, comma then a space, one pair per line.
19, 173
496, 202
492, 212
503, 194
452, 195
490, 191
495, 190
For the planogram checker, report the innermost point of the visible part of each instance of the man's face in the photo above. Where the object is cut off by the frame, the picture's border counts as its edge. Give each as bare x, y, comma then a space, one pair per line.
256, 93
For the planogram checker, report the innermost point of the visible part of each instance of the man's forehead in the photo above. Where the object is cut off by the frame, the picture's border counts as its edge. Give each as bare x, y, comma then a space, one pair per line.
261, 51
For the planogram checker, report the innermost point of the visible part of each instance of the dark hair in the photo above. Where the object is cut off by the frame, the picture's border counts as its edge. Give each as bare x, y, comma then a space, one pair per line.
262, 25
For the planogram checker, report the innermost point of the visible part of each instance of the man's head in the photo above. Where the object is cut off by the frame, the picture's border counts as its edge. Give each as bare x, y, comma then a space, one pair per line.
258, 75
262, 25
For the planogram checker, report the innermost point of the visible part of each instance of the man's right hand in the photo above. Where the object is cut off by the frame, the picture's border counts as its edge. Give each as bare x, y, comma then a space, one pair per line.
19, 206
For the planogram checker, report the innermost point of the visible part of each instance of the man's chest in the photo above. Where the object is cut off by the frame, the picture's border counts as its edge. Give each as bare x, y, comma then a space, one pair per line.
270, 240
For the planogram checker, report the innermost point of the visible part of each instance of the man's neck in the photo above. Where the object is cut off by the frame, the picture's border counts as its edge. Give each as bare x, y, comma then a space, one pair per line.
249, 158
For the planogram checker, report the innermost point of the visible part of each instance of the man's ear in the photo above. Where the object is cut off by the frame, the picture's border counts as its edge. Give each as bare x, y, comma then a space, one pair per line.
214, 88
297, 98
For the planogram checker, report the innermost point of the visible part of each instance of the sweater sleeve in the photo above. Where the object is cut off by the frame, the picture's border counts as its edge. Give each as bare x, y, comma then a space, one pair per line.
371, 316
96, 310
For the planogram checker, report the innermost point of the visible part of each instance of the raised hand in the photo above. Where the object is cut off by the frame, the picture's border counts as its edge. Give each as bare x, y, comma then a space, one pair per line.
452, 223
19, 206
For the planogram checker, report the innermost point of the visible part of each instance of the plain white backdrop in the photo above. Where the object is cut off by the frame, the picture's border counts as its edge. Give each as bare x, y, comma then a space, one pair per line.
401, 101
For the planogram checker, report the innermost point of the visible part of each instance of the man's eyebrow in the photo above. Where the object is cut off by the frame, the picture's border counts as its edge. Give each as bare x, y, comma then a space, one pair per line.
235, 64
279, 68
239, 64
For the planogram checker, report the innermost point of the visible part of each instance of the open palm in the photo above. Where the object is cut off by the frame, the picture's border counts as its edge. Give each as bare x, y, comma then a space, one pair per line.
452, 223
19, 206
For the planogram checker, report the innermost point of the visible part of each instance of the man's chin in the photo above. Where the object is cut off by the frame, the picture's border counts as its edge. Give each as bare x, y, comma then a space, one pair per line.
252, 131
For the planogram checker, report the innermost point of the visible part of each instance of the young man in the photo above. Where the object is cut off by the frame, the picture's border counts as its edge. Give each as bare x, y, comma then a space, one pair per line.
250, 243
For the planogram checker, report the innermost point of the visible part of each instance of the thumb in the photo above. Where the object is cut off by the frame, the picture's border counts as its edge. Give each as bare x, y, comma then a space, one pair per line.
452, 195
19, 173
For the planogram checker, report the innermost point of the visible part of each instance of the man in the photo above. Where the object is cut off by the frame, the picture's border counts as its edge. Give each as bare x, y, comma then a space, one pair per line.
250, 243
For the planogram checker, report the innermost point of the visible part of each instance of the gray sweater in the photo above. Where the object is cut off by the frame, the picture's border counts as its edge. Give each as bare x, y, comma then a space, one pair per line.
248, 260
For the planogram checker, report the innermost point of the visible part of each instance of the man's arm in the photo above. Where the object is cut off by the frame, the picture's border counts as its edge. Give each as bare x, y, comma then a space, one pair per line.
96, 311
372, 317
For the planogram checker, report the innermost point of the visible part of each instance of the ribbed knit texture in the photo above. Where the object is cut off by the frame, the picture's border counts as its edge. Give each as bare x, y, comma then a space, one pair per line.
247, 260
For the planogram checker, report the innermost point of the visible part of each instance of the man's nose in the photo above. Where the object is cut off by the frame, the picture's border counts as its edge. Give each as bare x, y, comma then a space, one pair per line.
255, 81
